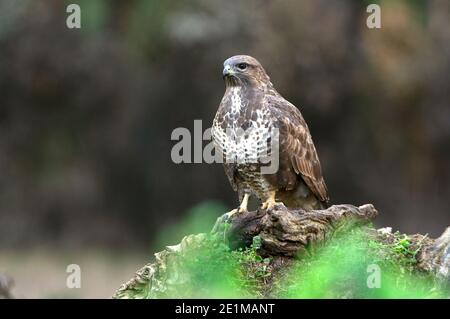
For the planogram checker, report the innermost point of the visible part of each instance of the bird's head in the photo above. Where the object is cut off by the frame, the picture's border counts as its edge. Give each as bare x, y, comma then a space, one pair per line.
244, 70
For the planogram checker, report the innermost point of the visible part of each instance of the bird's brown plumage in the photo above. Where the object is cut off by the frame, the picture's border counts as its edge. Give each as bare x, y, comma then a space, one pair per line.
252, 104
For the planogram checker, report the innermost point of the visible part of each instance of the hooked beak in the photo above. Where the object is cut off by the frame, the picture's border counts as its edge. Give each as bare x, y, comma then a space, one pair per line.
227, 71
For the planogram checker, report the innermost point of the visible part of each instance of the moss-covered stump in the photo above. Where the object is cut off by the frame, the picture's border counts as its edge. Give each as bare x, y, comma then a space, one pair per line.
332, 253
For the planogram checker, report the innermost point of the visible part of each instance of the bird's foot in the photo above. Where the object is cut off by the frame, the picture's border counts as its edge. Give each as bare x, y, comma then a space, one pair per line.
241, 209
271, 203
236, 211
226, 218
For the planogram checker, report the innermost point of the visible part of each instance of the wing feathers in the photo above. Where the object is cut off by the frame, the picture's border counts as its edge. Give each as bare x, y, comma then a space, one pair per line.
296, 141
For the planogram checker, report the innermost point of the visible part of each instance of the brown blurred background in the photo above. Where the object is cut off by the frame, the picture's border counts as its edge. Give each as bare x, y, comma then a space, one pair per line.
86, 117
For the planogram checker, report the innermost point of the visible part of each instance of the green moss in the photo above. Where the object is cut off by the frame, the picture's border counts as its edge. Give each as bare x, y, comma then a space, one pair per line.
203, 266
354, 266
348, 266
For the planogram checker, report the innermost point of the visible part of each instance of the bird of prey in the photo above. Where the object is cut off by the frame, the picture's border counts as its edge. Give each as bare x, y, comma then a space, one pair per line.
250, 113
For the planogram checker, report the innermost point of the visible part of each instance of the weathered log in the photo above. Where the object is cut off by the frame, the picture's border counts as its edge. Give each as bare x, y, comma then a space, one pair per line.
288, 232
284, 234
435, 257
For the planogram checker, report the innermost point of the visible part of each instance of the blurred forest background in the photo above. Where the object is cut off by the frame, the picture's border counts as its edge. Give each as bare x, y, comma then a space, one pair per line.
86, 117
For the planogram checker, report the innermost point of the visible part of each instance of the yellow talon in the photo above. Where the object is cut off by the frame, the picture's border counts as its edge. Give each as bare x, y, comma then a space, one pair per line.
270, 202
242, 207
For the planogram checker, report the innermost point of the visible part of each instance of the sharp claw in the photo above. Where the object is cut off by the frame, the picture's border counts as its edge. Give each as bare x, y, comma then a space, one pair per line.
241, 210
271, 205
230, 214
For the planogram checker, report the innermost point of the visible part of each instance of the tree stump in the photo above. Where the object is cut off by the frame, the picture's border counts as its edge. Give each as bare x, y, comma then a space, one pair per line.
285, 234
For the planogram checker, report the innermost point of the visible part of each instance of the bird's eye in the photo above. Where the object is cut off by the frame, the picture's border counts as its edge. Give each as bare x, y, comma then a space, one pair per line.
242, 66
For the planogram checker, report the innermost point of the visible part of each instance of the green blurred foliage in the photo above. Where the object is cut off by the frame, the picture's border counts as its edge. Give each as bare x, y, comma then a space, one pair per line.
198, 219
347, 266
209, 269
342, 269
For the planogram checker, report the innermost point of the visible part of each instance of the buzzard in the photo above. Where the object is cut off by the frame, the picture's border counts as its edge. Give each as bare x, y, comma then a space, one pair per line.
250, 113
